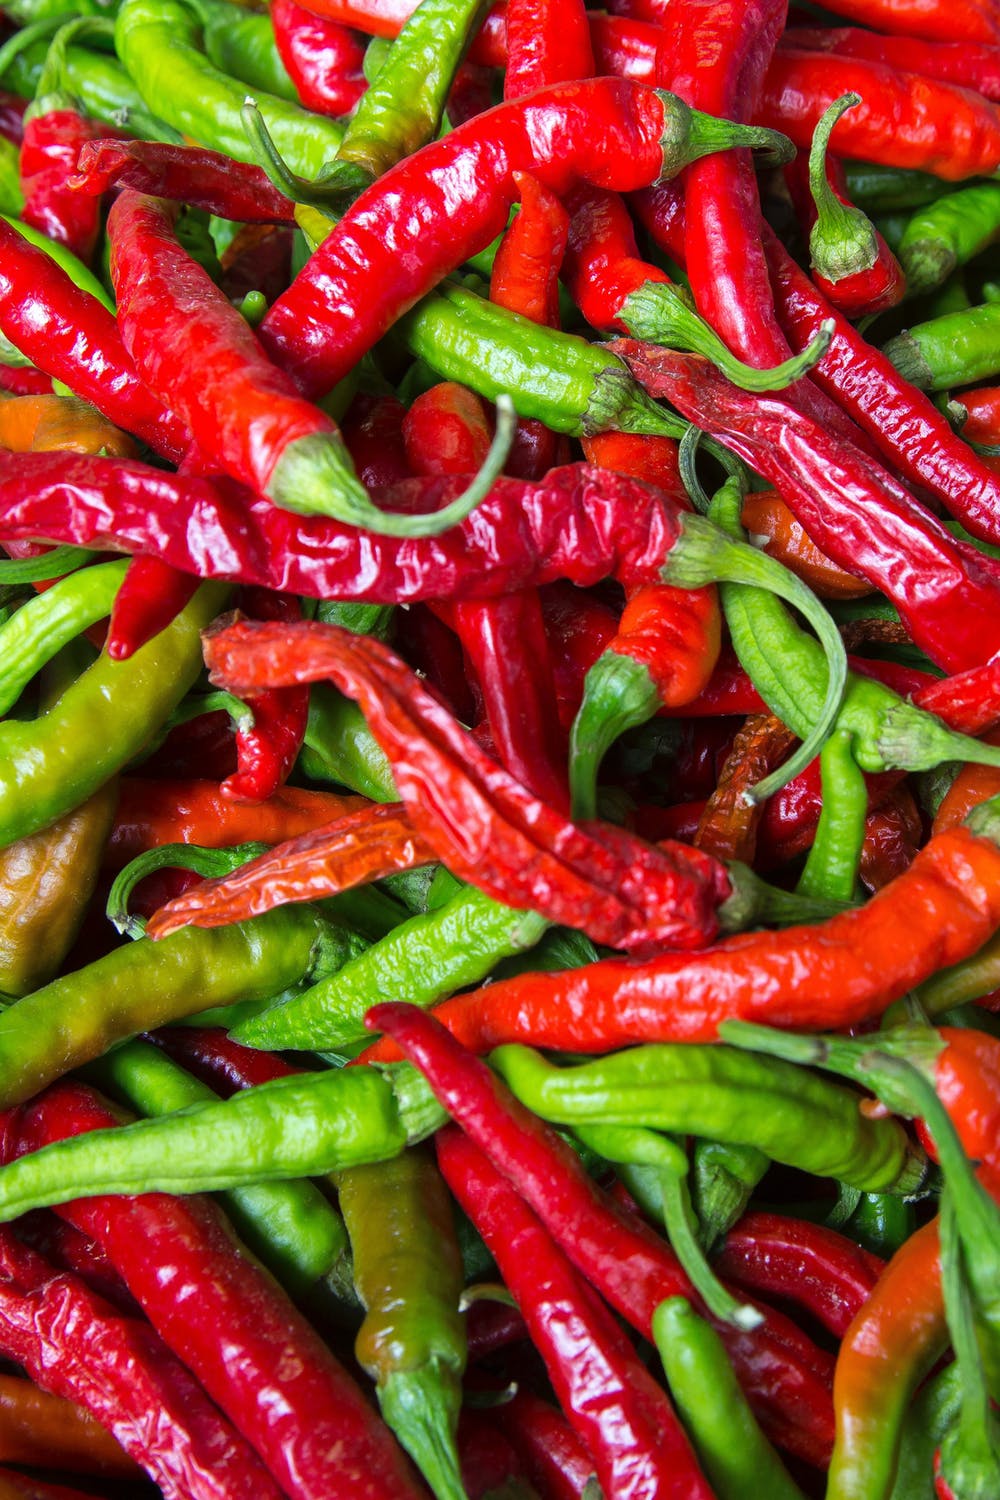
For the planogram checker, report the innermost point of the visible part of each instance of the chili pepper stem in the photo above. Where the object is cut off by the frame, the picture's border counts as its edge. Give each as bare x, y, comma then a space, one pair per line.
311, 477
834, 240
336, 187
659, 314
689, 134
703, 554
619, 694
752, 902
421, 1407
970, 1452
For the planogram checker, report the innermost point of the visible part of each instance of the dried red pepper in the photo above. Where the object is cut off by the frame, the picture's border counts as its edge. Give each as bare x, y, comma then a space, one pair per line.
483, 823
186, 174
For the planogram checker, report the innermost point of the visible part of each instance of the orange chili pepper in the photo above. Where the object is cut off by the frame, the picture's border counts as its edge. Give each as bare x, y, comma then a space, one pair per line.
973, 785
364, 845
767, 515
37, 424
38, 1428
195, 812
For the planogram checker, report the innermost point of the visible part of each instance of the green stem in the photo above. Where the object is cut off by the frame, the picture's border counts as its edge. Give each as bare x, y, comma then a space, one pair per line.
842, 242
831, 869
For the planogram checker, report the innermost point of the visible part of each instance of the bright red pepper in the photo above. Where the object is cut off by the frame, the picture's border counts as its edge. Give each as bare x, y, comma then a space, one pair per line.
53, 139
186, 174
323, 59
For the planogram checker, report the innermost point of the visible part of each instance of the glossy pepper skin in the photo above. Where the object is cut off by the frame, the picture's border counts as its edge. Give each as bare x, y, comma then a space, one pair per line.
904, 121
908, 429
193, 348
628, 1264
323, 58
509, 844
616, 1407
759, 429
185, 174
314, 330
968, 64
73, 338
814, 977
74, 1344
313, 1429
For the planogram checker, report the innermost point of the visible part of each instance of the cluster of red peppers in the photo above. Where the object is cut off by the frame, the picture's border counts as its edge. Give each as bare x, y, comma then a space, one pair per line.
500, 749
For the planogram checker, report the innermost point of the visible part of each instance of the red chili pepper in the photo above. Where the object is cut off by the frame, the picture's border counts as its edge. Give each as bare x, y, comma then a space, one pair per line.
578, 523
360, 847
577, 627
556, 1461
446, 431
947, 596
824, 1272
904, 120
968, 64
72, 1250
547, 42
322, 58
981, 419
611, 1400
969, 20
909, 430
219, 1061
271, 1373
716, 56
242, 411
624, 1260
186, 174
194, 812
812, 978
267, 750
525, 274
24, 381
373, 433
850, 261
374, 264
489, 1464
644, 456
53, 139
505, 642
74, 1344
151, 594
68, 334
893, 834
492, 831
766, 515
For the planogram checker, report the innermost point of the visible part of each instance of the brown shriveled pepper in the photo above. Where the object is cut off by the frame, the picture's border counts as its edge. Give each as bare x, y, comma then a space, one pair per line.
46, 881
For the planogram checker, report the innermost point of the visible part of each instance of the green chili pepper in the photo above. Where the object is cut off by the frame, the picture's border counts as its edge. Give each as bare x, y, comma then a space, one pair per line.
952, 297
306, 1125
27, 12
906, 1090
957, 349
970, 1449
157, 42
723, 1177
892, 227
426, 957
339, 747
290, 1226
886, 189
654, 1168
793, 1116
572, 385
832, 866
400, 111
408, 1274
948, 233
962, 983
737, 1458
11, 196
55, 762
377, 620
788, 669
932, 1412
43, 625
241, 44
54, 562
65, 260
99, 81
881, 1222
144, 985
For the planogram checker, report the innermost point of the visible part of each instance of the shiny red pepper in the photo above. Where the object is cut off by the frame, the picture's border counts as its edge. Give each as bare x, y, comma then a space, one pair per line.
322, 58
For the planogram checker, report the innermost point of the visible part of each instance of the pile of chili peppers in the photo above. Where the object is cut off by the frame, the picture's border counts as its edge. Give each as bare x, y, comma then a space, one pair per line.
500, 750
